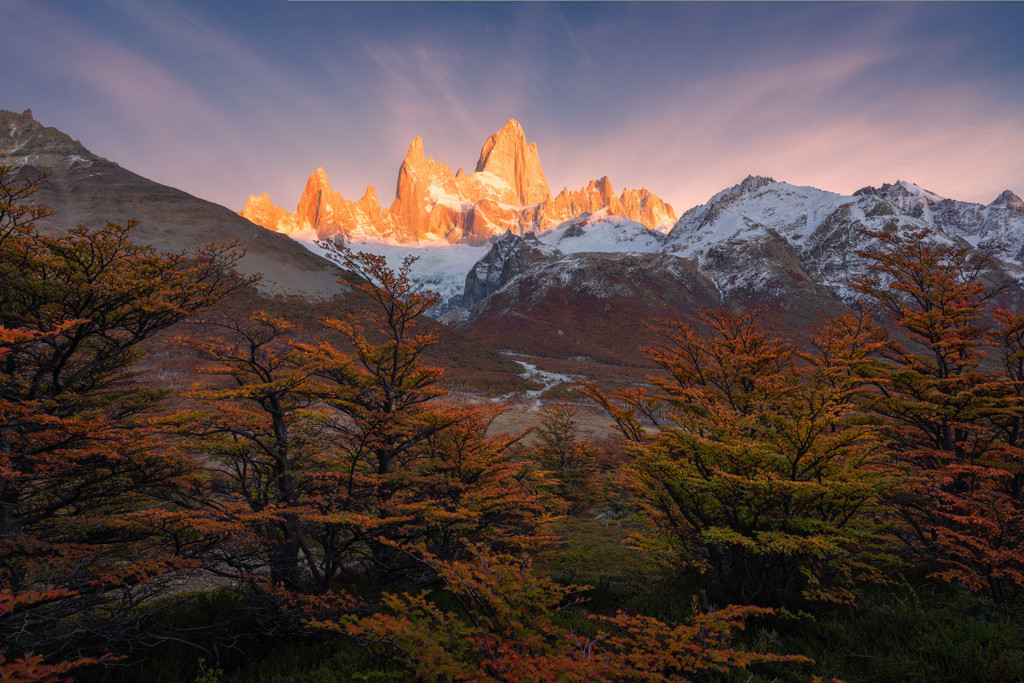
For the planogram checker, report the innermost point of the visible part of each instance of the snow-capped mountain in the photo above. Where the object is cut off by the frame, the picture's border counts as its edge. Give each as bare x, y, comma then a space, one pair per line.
792, 250
603, 231
760, 219
506, 191
996, 228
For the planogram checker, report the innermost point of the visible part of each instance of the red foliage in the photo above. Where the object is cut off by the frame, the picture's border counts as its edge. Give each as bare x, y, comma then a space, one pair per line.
81, 468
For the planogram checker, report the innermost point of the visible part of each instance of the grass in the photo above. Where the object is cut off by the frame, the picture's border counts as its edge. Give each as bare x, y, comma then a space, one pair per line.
915, 633
929, 633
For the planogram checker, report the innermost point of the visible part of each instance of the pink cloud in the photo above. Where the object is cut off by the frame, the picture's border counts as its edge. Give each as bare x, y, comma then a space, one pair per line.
805, 123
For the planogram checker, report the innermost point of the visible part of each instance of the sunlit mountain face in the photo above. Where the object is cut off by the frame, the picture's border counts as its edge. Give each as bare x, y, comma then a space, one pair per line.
507, 191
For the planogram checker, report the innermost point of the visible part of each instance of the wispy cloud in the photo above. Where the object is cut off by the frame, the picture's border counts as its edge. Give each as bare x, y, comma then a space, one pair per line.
222, 104
833, 123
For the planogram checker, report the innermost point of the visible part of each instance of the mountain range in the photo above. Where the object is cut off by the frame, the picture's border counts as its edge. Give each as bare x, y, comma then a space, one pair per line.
507, 192
84, 188
570, 276
789, 250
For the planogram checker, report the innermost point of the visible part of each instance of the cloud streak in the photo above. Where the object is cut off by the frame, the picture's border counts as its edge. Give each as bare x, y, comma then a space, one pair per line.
823, 123
224, 100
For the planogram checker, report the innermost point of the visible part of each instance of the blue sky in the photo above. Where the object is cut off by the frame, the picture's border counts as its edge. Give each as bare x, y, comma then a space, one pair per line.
224, 99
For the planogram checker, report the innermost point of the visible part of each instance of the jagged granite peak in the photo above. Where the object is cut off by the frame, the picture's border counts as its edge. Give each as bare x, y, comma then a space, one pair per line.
415, 162
602, 188
260, 210
639, 205
315, 199
369, 196
506, 155
322, 214
507, 191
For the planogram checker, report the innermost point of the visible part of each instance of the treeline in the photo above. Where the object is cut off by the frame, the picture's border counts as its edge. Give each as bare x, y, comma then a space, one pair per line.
334, 492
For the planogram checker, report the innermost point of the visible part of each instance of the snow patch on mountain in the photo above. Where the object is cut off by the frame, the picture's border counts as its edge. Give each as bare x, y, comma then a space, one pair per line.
746, 236
996, 229
760, 238
603, 232
751, 207
440, 267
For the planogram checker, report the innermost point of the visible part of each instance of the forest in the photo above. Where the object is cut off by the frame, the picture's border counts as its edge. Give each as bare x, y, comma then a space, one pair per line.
846, 503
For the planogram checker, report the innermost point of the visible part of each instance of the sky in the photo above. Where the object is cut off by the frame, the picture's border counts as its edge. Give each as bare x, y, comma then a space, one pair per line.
230, 98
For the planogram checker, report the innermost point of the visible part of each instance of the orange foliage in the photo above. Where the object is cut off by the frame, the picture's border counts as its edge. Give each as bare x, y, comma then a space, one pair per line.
571, 460
333, 455
504, 627
79, 464
750, 460
949, 417
32, 667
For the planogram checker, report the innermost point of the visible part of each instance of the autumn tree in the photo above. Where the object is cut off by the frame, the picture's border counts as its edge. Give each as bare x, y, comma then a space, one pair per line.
755, 468
333, 453
951, 412
495, 618
258, 432
571, 459
427, 455
80, 469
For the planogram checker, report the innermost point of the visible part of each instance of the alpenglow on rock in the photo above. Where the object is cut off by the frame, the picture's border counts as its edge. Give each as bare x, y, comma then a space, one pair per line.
507, 191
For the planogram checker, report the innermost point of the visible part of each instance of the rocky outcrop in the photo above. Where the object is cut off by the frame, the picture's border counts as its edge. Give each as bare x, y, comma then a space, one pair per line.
790, 251
509, 256
26, 141
506, 191
641, 205
507, 157
1008, 200
261, 211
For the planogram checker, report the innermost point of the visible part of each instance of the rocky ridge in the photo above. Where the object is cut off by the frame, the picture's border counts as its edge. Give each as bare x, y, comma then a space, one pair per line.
788, 249
996, 228
506, 191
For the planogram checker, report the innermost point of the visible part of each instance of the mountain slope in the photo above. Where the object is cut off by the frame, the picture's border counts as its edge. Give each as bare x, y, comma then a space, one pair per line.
83, 188
823, 230
790, 251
